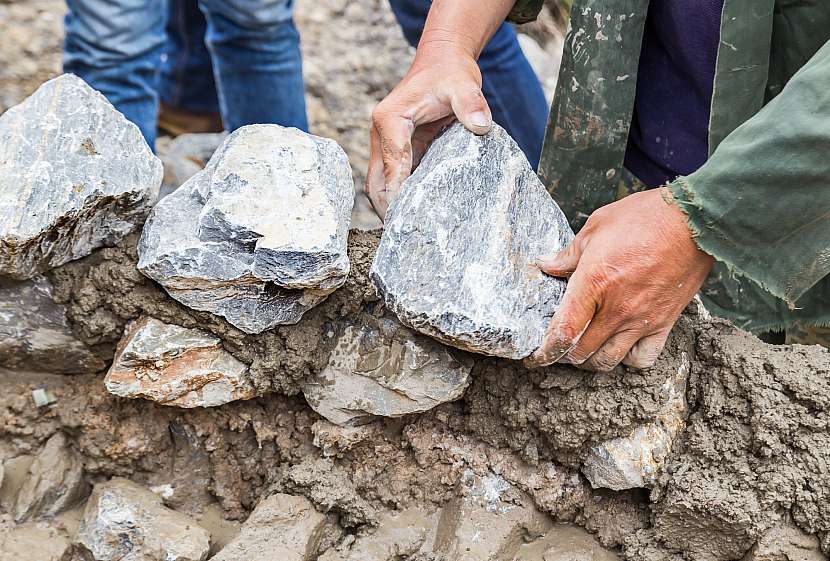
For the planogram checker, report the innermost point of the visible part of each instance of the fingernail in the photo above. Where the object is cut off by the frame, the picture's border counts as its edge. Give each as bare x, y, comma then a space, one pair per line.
480, 119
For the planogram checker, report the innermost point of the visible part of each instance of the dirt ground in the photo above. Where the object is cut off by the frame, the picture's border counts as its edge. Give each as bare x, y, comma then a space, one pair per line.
748, 478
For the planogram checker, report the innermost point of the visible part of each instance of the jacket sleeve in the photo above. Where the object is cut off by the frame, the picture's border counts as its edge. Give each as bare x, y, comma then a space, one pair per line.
525, 11
761, 204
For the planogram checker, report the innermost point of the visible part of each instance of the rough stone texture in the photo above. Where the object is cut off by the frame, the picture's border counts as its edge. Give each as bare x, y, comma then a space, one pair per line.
125, 522
177, 366
54, 481
32, 542
484, 525
456, 260
635, 461
185, 156
35, 334
381, 368
75, 175
258, 237
282, 527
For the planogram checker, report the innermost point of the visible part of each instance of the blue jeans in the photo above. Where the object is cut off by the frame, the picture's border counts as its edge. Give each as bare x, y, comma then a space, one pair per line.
510, 85
117, 46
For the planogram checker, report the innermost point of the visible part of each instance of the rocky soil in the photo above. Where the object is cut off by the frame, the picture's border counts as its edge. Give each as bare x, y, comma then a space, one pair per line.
718, 452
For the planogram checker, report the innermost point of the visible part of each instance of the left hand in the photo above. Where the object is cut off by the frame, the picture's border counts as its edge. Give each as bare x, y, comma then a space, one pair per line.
633, 268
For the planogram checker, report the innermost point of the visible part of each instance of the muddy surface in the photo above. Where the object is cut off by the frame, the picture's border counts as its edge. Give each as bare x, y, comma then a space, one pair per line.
752, 458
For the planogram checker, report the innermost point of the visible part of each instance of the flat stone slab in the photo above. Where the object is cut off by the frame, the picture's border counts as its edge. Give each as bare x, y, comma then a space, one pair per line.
35, 334
456, 260
381, 368
259, 236
173, 365
75, 175
124, 521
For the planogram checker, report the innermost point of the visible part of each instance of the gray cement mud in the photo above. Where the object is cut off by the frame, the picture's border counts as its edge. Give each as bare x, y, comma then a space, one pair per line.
753, 460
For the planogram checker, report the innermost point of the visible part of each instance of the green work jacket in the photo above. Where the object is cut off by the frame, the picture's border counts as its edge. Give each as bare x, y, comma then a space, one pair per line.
761, 203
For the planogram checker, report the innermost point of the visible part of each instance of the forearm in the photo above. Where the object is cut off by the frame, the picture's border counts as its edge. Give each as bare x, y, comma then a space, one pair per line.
760, 204
462, 24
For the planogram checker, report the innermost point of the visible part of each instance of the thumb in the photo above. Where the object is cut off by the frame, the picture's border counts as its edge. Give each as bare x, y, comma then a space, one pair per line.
472, 110
562, 263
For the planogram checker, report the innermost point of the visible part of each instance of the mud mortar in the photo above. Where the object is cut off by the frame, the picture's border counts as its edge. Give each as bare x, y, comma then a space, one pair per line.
752, 459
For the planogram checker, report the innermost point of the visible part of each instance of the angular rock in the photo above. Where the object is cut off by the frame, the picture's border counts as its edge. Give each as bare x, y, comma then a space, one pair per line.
35, 334
173, 365
125, 522
399, 535
456, 260
283, 527
382, 368
484, 525
34, 542
635, 461
259, 236
75, 175
54, 483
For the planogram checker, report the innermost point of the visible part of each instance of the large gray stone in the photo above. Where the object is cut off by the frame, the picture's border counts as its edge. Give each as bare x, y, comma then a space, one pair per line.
35, 333
54, 482
173, 365
636, 460
125, 522
259, 236
456, 260
381, 368
75, 175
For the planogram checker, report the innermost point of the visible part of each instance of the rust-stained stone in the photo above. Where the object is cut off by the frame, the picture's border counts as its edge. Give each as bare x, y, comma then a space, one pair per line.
176, 366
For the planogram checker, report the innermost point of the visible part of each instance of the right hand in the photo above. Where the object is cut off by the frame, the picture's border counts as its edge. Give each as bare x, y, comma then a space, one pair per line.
443, 84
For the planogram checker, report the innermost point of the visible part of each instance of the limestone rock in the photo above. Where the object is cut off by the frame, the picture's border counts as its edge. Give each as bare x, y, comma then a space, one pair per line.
635, 460
35, 334
485, 525
259, 236
125, 522
177, 366
54, 483
283, 527
456, 260
399, 535
34, 542
75, 175
381, 368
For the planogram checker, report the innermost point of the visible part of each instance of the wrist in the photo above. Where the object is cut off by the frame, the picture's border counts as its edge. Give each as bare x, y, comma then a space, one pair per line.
444, 45
680, 221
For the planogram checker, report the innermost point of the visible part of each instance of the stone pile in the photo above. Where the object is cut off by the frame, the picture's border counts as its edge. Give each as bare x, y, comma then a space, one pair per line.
75, 175
456, 260
259, 236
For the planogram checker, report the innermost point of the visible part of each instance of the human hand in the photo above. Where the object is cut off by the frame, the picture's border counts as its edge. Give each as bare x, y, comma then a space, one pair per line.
443, 84
633, 268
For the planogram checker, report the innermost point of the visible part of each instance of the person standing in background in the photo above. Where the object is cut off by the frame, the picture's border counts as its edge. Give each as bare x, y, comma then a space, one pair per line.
189, 95
117, 47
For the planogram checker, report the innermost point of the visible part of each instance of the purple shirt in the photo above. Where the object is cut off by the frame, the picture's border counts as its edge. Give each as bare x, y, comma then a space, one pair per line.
670, 126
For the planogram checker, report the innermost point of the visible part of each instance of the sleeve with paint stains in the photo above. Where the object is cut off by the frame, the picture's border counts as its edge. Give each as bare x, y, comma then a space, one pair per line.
761, 204
525, 11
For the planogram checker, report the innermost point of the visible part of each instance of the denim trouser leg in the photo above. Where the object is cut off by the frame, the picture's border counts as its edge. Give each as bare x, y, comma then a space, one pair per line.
511, 87
255, 50
116, 47
187, 73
